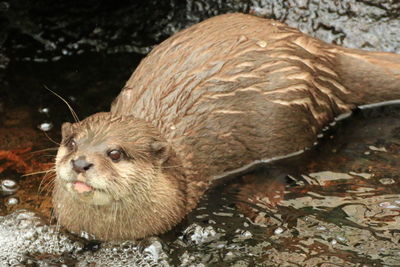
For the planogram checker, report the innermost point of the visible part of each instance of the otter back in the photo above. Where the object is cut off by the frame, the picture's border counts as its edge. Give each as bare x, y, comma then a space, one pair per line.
235, 89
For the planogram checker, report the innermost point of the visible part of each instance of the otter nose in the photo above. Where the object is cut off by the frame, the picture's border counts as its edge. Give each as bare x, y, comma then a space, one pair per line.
80, 164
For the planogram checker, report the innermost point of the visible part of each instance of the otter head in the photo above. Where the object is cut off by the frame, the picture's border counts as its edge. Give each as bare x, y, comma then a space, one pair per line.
117, 179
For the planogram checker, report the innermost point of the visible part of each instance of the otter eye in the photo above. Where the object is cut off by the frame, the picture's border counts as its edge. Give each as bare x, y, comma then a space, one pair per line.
115, 155
71, 144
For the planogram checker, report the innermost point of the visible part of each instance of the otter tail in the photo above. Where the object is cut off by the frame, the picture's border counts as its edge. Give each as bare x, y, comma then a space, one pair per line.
371, 77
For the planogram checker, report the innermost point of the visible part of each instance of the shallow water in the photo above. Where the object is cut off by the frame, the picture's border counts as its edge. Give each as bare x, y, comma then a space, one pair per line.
340, 205
341, 200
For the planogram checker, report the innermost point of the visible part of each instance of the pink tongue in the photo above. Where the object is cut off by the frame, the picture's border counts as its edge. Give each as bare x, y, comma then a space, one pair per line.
82, 187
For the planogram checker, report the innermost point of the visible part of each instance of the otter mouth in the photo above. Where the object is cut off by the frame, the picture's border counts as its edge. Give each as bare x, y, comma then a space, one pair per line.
82, 187
88, 194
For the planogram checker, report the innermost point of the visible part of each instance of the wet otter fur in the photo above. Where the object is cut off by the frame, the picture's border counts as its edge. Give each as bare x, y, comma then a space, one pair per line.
213, 99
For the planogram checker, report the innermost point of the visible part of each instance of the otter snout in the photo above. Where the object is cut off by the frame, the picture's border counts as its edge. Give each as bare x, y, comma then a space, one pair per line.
80, 165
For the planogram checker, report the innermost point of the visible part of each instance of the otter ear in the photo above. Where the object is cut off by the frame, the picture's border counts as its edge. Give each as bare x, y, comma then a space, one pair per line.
66, 130
160, 150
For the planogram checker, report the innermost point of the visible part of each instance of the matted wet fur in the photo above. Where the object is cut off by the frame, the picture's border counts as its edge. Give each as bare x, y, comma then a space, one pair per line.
125, 196
211, 100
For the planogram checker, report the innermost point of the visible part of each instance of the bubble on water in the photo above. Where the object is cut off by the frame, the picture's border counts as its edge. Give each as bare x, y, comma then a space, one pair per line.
244, 234
223, 214
198, 235
387, 181
12, 201
341, 238
278, 231
388, 205
24, 233
4, 6
9, 183
8, 187
19, 236
44, 110
125, 254
46, 126
384, 204
56, 58
155, 250
379, 149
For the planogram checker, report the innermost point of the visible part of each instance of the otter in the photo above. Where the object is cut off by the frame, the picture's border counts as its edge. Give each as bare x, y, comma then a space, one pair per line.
213, 99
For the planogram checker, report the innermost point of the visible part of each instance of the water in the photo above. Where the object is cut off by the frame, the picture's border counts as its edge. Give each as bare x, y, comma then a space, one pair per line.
340, 205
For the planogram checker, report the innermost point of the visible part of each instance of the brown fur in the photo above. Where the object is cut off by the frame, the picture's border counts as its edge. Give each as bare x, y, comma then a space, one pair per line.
222, 94
140, 188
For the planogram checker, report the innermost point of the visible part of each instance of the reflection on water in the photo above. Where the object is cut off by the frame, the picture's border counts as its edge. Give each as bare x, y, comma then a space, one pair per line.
336, 205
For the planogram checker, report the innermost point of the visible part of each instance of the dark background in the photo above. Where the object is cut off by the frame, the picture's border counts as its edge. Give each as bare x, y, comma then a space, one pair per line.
86, 50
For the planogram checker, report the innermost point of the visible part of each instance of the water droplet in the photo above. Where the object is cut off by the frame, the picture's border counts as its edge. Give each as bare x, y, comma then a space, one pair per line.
44, 110
46, 126
386, 181
8, 183
246, 235
12, 201
262, 44
384, 204
242, 38
8, 187
4, 6
380, 149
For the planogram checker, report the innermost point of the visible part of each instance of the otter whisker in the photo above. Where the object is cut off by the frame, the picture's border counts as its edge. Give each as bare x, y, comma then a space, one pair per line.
47, 182
50, 139
34, 173
43, 150
66, 102
49, 156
